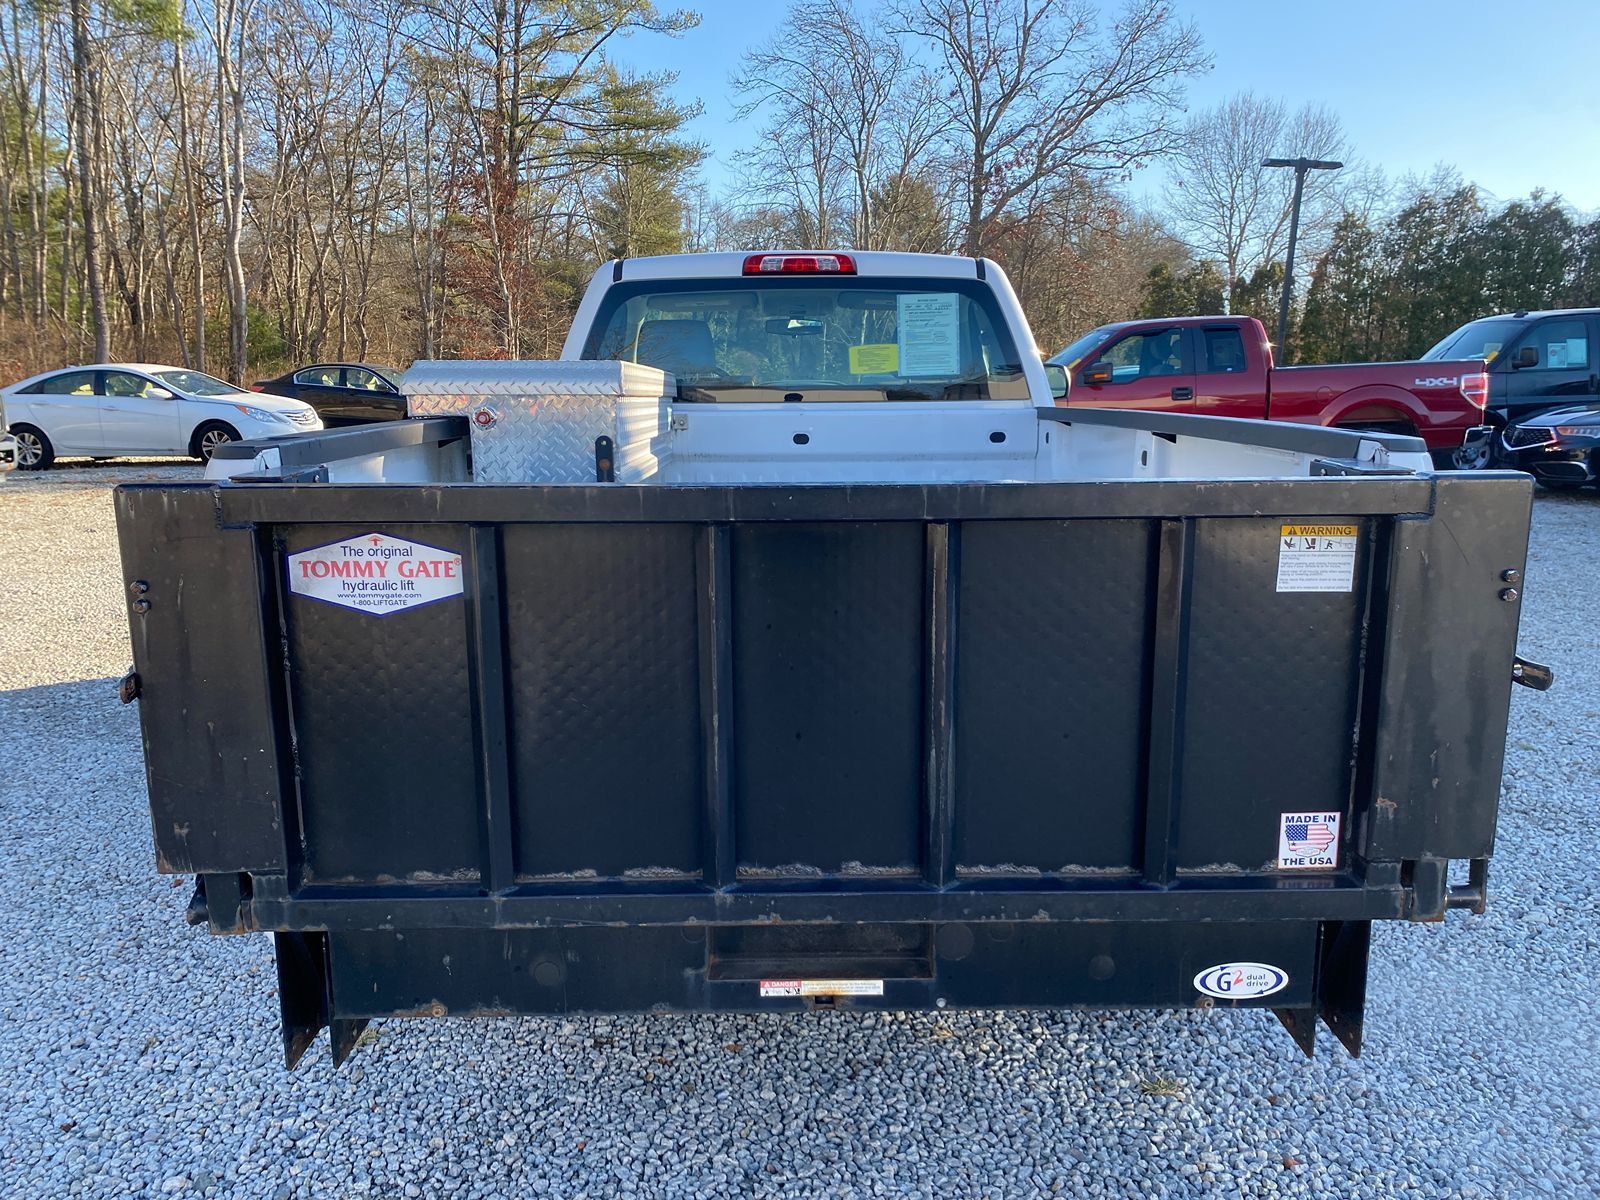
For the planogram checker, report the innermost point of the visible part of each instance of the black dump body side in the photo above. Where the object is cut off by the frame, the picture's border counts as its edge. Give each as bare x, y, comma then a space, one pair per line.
975, 745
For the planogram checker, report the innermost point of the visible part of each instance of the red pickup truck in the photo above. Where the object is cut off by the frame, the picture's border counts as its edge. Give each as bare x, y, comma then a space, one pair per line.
1222, 366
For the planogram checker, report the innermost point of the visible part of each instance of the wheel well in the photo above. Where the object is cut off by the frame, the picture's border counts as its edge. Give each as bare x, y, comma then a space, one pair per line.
1377, 419
194, 438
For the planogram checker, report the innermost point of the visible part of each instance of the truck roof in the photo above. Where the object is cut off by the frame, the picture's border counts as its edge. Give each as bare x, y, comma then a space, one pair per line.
1523, 314
730, 264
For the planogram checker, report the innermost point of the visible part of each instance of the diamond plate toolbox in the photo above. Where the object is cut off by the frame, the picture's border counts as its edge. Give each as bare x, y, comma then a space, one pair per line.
537, 422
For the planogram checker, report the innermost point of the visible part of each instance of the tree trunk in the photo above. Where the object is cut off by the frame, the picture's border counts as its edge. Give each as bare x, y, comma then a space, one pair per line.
82, 71
192, 202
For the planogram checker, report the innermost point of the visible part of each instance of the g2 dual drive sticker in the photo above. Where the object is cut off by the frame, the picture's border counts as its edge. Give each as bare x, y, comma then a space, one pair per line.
1241, 980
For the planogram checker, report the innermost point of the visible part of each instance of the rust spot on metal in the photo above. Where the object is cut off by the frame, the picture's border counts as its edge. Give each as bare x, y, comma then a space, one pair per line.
1386, 804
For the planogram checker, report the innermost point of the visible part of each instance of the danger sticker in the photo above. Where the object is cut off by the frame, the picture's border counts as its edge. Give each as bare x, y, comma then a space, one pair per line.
376, 573
1317, 558
822, 987
1308, 841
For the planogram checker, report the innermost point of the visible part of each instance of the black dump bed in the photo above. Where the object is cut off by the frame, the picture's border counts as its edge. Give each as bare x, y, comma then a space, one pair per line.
760, 748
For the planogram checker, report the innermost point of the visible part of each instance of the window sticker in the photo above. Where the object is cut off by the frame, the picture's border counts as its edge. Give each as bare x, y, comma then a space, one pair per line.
1555, 354
929, 334
879, 359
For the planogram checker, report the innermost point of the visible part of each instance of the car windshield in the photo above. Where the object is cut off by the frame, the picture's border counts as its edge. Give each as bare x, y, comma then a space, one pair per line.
1476, 339
196, 383
814, 338
1073, 354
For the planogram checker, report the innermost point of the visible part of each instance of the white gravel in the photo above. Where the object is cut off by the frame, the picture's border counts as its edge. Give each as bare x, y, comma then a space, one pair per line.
140, 1057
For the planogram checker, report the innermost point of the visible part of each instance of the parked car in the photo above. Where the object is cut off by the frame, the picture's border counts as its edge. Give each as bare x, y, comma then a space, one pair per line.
8, 443
342, 393
1537, 360
114, 409
1560, 447
1222, 367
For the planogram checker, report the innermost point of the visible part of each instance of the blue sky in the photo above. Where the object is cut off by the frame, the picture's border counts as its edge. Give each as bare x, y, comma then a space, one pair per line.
1509, 94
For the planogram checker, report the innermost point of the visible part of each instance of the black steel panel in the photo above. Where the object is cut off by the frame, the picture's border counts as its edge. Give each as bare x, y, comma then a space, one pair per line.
1103, 898
213, 746
605, 698
1445, 696
1052, 649
428, 972
1113, 964
1270, 698
828, 677
624, 504
383, 726
441, 972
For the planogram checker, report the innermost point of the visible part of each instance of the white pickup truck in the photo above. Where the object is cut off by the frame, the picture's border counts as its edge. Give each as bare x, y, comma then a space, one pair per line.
817, 368
785, 645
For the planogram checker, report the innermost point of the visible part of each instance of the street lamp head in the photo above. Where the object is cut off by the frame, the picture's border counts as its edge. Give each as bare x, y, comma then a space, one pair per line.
1303, 164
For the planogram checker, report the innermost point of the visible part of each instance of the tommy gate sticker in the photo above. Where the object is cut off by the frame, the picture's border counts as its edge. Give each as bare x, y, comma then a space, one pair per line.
376, 573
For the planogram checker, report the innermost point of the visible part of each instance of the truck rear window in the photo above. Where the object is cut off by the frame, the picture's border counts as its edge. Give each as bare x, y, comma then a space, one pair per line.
832, 338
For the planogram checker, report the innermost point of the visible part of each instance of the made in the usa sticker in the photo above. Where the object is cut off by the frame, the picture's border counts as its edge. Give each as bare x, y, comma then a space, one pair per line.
1308, 841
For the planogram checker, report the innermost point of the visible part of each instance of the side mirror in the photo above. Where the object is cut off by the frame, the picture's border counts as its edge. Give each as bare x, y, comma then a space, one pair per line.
1057, 377
1528, 356
1096, 372
157, 393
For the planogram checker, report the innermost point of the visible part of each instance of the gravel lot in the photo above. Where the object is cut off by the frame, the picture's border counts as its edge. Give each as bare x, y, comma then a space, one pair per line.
140, 1057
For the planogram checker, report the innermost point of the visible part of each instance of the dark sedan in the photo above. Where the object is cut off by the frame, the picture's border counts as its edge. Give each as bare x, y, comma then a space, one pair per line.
342, 393
1559, 448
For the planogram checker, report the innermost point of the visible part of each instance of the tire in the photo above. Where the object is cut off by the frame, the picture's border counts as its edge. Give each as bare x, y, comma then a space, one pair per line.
1462, 459
34, 451
209, 436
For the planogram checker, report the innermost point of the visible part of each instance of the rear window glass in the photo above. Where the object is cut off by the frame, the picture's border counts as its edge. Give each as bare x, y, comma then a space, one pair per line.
823, 338
1221, 350
70, 383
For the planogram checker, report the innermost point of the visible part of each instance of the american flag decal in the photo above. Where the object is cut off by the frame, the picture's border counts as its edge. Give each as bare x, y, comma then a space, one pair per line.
1308, 836
1308, 840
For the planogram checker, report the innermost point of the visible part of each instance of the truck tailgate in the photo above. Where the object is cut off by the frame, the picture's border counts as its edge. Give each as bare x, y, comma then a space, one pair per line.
626, 748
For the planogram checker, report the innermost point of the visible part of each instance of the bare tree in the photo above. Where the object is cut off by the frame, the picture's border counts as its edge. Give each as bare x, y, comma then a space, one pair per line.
1231, 209
1040, 88
849, 102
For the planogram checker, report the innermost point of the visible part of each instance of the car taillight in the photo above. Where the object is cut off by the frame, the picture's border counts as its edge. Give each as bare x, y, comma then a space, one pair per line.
1475, 389
255, 387
799, 264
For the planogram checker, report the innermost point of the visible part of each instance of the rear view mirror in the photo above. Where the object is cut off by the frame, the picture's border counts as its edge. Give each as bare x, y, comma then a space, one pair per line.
794, 327
1097, 372
157, 393
1528, 356
1057, 376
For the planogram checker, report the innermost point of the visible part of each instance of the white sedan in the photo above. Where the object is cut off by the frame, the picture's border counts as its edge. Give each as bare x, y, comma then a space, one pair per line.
112, 410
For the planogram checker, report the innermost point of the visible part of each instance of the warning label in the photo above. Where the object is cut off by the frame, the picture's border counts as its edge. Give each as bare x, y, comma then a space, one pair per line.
1308, 841
1317, 558
376, 573
822, 987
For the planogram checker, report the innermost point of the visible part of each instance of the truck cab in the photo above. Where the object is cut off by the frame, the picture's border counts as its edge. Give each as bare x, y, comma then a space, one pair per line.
794, 367
1537, 360
1215, 366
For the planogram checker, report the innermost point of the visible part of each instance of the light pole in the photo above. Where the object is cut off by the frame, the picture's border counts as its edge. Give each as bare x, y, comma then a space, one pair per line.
1301, 166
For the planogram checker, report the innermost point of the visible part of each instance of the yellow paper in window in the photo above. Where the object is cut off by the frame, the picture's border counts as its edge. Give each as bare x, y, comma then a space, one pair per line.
878, 359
